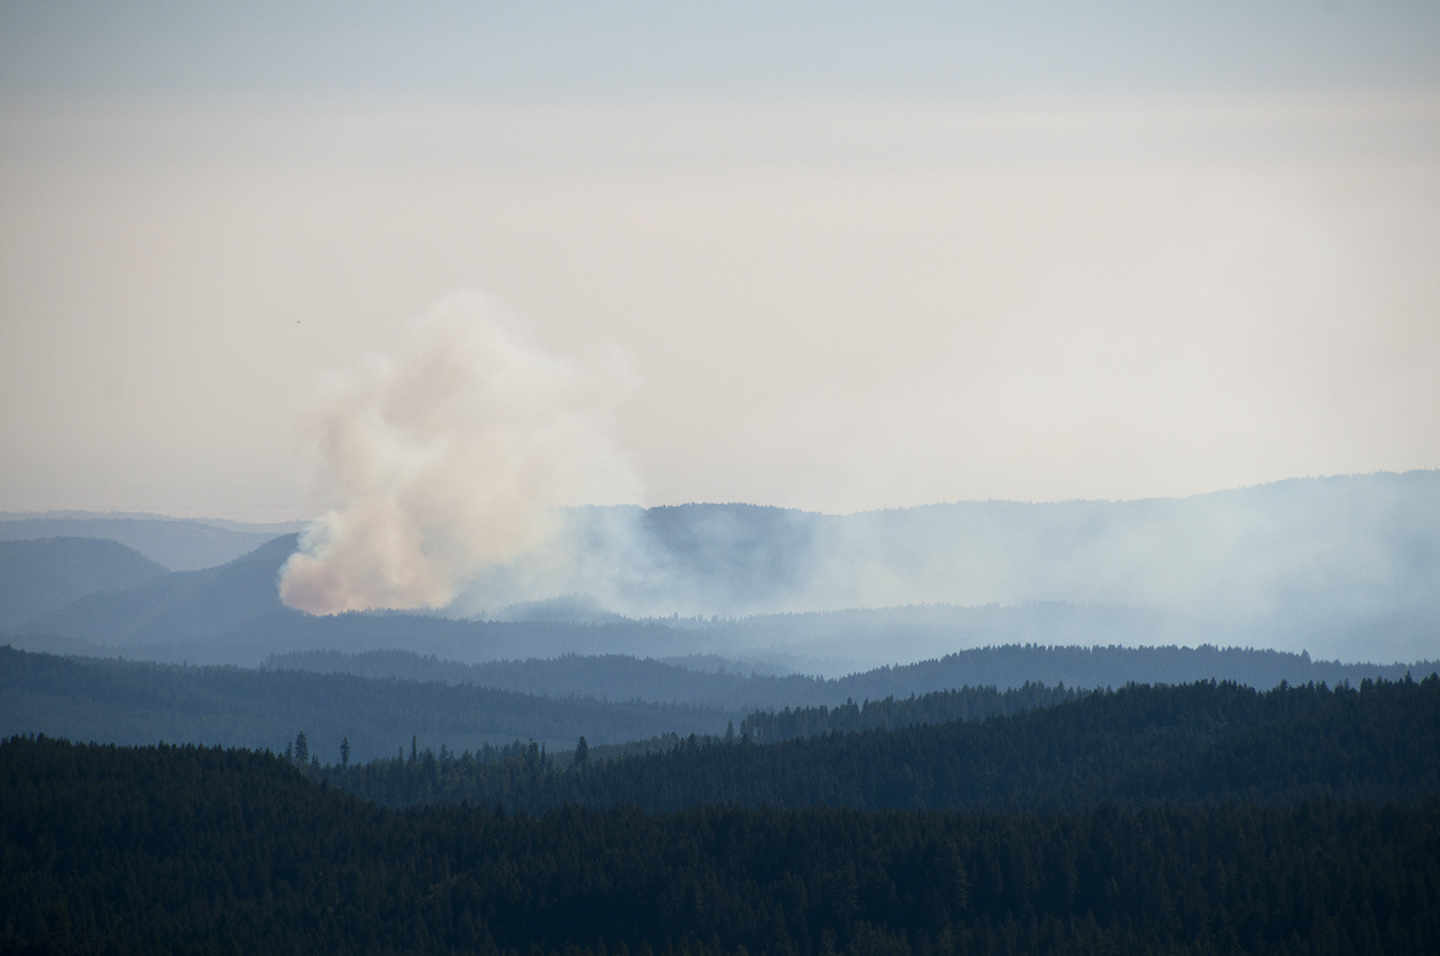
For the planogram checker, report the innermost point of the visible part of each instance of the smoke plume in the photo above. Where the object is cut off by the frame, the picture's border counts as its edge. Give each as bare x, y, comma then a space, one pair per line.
450, 457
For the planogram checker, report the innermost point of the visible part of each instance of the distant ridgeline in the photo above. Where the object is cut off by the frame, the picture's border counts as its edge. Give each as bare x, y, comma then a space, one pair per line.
1335, 565
620, 677
176, 543
558, 701
611, 700
1207, 818
134, 703
1137, 745
126, 702
1112, 666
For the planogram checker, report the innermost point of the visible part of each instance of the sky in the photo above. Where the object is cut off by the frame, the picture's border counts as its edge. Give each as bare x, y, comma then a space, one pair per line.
829, 256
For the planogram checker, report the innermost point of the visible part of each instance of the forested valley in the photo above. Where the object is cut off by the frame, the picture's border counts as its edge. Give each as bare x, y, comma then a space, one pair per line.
113, 701
134, 702
380, 701
1202, 818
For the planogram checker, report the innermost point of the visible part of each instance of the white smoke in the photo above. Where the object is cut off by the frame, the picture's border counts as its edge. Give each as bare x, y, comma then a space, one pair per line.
450, 457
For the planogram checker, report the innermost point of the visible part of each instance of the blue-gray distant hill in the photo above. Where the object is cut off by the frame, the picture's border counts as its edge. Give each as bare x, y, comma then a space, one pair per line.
619, 677
179, 607
178, 544
134, 702
38, 577
232, 614
126, 702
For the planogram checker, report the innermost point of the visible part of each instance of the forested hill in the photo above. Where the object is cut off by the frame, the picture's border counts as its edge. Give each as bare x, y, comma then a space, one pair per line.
37, 577
940, 707
1139, 744
206, 604
620, 677
178, 544
737, 689
128, 702
1112, 666
193, 850
124, 702
611, 676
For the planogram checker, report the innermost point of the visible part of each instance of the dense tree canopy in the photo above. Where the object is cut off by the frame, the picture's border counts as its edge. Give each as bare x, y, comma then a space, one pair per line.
1205, 818
1139, 744
184, 849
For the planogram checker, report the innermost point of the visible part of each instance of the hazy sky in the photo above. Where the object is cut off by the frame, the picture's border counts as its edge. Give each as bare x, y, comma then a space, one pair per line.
851, 256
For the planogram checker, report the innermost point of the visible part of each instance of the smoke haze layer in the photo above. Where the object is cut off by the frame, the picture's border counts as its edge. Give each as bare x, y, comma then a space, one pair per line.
1328, 564
449, 457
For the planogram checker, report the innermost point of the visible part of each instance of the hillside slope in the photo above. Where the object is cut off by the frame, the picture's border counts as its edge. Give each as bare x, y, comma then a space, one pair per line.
130, 703
38, 577
180, 606
621, 677
1139, 745
178, 544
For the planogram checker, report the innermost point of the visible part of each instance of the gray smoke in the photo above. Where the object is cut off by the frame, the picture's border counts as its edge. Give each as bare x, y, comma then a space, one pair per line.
1343, 566
450, 457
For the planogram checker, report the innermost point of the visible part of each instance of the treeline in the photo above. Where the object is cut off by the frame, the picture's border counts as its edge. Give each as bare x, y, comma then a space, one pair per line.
940, 707
113, 701
1011, 665
194, 850
762, 726
1137, 745
605, 676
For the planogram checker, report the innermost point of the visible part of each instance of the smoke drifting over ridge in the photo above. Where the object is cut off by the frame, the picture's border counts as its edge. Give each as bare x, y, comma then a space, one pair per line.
450, 457
1340, 566
460, 465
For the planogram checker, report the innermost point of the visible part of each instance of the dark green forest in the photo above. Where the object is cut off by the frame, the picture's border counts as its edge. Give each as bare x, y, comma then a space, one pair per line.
939, 707
1138, 745
108, 849
1200, 818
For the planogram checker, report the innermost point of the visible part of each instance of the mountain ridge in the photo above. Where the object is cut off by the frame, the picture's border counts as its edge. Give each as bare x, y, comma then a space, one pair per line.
40, 576
178, 544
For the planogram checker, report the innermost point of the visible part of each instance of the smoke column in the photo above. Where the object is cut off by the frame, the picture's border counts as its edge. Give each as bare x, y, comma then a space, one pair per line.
450, 457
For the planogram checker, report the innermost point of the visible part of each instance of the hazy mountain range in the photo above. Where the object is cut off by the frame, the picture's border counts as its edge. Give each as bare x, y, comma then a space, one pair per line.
178, 544
734, 689
381, 699
1342, 567
1346, 566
